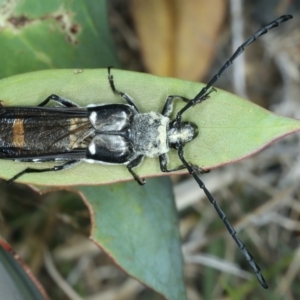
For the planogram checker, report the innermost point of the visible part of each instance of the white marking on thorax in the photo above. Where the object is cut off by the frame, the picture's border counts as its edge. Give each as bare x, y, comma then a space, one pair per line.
93, 161
93, 117
92, 148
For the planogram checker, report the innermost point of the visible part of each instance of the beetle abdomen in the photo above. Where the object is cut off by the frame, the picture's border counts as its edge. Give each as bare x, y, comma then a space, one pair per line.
35, 136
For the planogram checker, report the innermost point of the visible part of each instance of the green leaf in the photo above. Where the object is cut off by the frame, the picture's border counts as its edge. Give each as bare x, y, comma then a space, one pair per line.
16, 280
54, 34
229, 128
138, 228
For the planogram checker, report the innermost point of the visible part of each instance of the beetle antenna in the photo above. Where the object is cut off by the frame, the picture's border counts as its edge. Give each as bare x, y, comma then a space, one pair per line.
223, 217
239, 51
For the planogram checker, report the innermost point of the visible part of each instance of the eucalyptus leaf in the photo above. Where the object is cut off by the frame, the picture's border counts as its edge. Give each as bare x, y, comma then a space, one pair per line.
16, 280
138, 228
54, 34
230, 128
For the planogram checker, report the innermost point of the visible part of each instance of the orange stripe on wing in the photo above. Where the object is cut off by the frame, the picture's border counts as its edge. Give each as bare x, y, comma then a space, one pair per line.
18, 133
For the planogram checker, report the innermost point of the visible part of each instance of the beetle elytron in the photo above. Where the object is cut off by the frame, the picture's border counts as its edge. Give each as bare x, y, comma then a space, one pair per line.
110, 133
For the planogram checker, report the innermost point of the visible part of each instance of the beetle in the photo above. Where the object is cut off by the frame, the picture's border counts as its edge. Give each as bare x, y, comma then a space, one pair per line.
111, 134
108, 134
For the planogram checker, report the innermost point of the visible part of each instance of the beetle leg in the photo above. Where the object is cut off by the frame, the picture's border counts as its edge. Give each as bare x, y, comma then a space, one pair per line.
66, 165
163, 162
126, 97
134, 163
206, 96
60, 100
199, 169
168, 107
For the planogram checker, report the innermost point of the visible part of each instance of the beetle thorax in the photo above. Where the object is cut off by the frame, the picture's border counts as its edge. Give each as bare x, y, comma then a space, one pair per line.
148, 134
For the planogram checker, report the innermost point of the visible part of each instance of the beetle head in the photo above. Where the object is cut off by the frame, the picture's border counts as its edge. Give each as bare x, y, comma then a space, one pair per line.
182, 135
